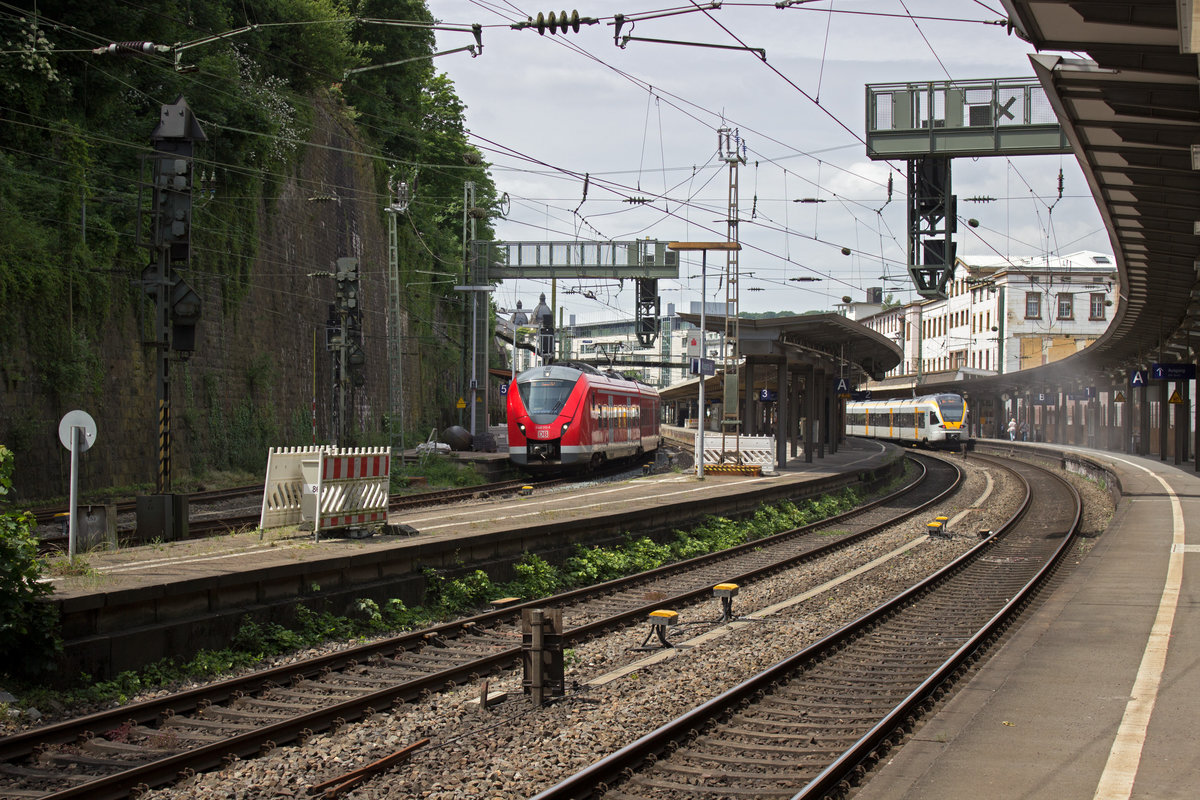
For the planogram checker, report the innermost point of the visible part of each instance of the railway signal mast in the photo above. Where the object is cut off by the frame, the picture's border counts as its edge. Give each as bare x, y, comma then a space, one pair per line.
176, 304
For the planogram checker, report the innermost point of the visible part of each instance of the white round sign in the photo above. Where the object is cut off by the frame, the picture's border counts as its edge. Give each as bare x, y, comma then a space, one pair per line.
77, 419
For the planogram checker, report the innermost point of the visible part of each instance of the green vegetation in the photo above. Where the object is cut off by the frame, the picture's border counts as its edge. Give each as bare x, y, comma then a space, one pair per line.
28, 628
76, 127
437, 471
447, 598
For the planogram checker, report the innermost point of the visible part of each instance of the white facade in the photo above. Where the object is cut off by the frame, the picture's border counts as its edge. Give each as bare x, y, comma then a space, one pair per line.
1002, 315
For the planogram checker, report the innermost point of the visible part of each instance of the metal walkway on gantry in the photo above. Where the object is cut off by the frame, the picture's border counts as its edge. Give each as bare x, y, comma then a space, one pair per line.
928, 123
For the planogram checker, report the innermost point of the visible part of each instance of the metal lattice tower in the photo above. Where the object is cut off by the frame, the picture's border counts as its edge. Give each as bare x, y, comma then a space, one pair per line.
731, 149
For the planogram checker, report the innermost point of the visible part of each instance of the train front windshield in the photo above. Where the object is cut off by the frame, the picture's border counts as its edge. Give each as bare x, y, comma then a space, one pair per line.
545, 395
951, 407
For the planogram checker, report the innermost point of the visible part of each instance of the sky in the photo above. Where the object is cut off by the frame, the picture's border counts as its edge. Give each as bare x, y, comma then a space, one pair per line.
641, 121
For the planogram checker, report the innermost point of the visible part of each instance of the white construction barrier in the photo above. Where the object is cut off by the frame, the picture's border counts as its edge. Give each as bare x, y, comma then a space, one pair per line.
324, 488
285, 486
737, 451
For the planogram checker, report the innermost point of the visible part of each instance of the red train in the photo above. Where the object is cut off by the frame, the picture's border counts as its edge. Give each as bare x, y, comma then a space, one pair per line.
571, 415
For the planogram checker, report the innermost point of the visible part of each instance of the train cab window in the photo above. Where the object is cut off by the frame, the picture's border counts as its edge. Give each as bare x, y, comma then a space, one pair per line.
545, 396
951, 407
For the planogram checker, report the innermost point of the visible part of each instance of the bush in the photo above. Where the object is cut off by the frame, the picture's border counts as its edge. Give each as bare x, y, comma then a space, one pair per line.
29, 640
536, 578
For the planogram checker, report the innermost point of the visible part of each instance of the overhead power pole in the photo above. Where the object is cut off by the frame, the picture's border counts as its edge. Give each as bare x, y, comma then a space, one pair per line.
732, 150
396, 325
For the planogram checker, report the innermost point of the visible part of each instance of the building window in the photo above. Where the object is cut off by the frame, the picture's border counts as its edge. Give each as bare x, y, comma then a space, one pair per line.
1033, 305
1066, 305
1096, 307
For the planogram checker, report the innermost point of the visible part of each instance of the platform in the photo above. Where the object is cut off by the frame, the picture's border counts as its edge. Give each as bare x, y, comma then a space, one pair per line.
138, 604
1095, 695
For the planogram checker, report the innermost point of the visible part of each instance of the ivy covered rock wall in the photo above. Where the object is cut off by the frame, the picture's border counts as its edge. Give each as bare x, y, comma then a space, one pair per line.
296, 172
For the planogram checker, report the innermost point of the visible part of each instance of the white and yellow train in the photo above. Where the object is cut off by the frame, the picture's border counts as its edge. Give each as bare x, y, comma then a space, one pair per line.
936, 420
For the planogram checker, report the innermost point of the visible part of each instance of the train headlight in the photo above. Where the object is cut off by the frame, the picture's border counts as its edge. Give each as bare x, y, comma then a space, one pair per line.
563, 432
521, 427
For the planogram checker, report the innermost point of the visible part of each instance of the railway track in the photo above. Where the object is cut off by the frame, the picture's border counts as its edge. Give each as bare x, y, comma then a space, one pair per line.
50, 515
813, 725
109, 754
203, 523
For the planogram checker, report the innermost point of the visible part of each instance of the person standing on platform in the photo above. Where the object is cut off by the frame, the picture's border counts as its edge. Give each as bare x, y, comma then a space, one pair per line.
1024, 431
1012, 429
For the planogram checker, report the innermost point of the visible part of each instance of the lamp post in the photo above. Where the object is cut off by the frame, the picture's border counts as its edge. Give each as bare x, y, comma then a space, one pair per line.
703, 247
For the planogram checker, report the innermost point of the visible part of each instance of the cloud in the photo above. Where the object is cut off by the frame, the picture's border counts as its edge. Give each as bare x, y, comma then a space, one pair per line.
801, 116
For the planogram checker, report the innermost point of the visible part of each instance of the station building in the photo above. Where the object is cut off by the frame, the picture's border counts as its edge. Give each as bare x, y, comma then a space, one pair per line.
1001, 315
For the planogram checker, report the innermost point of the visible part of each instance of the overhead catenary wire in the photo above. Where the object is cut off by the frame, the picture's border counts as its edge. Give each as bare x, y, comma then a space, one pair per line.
584, 173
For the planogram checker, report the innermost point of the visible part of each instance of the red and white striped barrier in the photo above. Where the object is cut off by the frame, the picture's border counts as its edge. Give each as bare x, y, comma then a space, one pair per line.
353, 488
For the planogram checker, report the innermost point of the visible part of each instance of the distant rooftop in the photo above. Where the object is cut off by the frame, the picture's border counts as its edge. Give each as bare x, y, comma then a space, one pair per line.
1083, 260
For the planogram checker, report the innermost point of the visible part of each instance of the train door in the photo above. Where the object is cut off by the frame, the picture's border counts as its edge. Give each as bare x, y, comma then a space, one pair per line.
602, 436
631, 422
590, 420
622, 419
610, 409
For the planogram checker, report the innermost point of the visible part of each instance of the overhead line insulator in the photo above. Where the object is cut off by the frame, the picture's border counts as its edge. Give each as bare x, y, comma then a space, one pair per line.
556, 22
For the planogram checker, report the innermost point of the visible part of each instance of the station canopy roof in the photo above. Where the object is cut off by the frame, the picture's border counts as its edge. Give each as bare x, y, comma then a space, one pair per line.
819, 339
1131, 110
